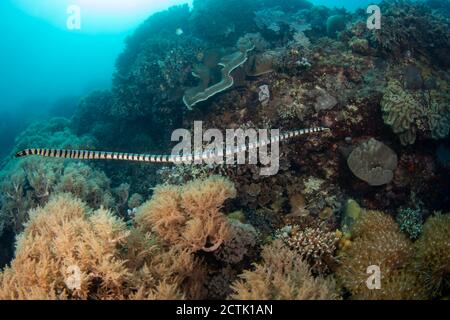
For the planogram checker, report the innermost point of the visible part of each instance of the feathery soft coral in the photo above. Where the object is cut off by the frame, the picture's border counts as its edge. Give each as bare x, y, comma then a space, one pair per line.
189, 216
62, 237
282, 275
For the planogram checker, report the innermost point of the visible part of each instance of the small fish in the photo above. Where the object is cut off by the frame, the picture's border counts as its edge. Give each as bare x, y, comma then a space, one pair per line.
179, 32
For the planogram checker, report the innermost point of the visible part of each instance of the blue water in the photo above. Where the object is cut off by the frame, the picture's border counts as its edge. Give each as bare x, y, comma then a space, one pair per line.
45, 68
34, 52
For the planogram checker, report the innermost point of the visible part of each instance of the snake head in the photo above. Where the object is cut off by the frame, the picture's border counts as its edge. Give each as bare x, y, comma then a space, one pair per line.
21, 154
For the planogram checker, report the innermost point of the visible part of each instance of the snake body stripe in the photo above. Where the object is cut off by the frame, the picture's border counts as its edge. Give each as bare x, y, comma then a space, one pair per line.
150, 158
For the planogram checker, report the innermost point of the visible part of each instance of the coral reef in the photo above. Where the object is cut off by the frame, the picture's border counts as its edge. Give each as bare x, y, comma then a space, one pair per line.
30, 183
55, 133
282, 275
66, 253
277, 20
224, 22
341, 201
412, 26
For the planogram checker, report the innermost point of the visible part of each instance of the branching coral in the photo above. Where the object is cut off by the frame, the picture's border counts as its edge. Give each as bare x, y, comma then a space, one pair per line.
431, 260
377, 240
410, 222
282, 275
189, 216
315, 245
229, 63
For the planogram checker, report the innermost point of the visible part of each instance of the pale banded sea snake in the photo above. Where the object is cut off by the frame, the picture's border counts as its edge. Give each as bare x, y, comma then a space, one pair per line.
149, 158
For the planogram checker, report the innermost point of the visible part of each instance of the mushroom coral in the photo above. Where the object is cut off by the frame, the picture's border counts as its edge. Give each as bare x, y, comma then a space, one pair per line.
373, 162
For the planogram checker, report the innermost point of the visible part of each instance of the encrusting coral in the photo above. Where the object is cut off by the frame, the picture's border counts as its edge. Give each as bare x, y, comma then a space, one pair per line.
282, 275
189, 216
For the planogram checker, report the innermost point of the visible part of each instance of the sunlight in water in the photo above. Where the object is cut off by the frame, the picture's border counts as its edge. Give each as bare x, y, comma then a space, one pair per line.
97, 16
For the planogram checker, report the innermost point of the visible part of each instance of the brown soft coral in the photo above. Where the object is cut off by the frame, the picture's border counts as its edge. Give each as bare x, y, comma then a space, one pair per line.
68, 251
189, 216
431, 260
62, 242
169, 271
283, 275
377, 240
